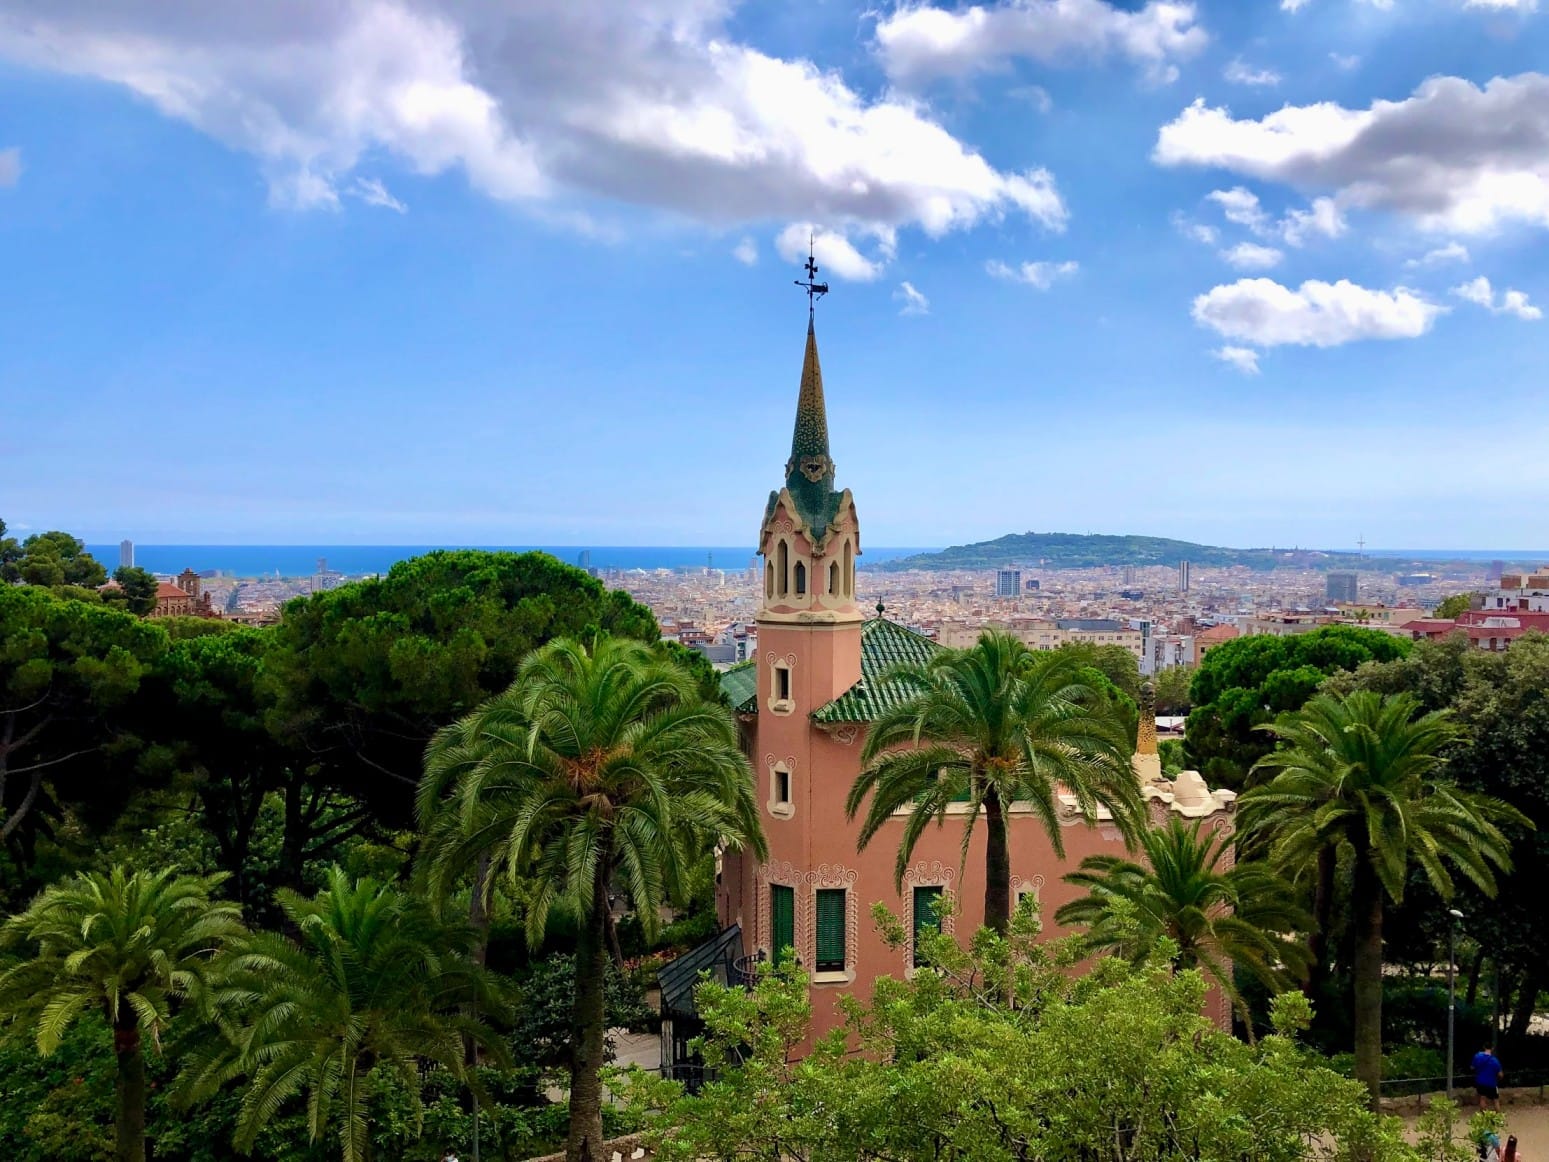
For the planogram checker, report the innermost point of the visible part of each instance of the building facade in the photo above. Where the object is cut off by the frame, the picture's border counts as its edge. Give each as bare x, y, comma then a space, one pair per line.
805, 703
1342, 588
1008, 583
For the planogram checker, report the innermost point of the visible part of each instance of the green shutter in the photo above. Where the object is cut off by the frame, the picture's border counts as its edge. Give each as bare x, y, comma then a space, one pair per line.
830, 930
926, 917
782, 909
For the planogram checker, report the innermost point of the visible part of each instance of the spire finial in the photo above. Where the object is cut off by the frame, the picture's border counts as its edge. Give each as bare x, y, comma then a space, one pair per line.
815, 290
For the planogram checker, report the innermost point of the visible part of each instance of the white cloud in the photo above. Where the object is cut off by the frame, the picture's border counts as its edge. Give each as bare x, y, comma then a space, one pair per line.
918, 41
1244, 359
374, 193
835, 252
1200, 232
1293, 5
548, 103
1241, 206
1316, 314
1452, 156
1239, 73
914, 303
1037, 274
1345, 61
746, 252
1504, 5
1252, 256
1452, 252
1512, 302
10, 166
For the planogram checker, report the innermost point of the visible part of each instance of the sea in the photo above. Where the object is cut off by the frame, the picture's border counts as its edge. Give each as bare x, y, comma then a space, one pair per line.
363, 560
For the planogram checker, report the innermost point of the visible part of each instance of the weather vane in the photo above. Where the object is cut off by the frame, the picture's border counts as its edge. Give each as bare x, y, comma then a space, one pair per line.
815, 290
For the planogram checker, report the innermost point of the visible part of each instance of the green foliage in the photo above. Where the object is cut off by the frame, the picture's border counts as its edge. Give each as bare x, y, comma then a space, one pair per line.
51, 560
1116, 1065
1213, 916
992, 725
373, 980
136, 590
364, 675
1244, 683
543, 1028
1451, 607
68, 671
598, 767
1172, 689
1174, 757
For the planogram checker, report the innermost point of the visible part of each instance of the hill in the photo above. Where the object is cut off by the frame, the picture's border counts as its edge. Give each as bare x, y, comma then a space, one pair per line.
1089, 550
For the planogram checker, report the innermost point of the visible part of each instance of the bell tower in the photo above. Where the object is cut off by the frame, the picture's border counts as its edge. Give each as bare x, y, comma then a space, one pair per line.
808, 623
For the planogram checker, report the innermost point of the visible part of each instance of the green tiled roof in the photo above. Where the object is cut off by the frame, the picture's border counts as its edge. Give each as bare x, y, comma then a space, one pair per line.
883, 644
740, 685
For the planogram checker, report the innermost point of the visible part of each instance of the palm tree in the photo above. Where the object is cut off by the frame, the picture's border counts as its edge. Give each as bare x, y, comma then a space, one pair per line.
1360, 776
373, 980
1188, 892
598, 763
989, 726
127, 946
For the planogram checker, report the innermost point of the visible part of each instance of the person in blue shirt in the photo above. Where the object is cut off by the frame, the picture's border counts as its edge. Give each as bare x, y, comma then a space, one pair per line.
1487, 1078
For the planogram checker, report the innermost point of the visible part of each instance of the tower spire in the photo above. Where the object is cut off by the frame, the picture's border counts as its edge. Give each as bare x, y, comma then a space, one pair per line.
809, 473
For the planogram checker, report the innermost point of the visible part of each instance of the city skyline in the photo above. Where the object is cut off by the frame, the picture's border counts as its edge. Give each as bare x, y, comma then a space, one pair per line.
1181, 270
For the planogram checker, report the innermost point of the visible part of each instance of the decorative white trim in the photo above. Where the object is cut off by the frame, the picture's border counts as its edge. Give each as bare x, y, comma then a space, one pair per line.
781, 808
827, 875
785, 875
926, 874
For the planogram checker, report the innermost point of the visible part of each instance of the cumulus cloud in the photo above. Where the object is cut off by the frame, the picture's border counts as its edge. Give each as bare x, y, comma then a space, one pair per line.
835, 252
1252, 256
1452, 252
1453, 155
1316, 314
1244, 359
1239, 73
1200, 232
914, 303
919, 42
1241, 206
374, 193
10, 166
1511, 302
1037, 274
746, 252
654, 104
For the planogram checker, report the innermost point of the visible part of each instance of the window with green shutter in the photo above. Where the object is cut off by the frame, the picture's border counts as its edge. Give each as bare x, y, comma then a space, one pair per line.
831, 934
927, 917
782, 912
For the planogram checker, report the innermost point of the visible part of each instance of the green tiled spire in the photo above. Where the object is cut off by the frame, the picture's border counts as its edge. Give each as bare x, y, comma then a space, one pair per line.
809, 473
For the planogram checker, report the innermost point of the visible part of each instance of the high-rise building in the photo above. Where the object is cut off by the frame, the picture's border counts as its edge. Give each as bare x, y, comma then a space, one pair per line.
1183, 576
1129, 576
1341, 587
126, 554
1008, 582
584, 560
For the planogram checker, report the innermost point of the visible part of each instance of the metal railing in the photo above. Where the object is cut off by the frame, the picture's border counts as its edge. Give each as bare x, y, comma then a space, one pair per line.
1463, 1084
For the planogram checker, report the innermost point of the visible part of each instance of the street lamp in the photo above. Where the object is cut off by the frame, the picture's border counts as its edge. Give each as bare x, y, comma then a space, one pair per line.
1452, 991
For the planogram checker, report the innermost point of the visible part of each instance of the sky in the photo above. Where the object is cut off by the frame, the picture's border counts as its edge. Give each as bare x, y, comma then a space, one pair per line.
1244, 272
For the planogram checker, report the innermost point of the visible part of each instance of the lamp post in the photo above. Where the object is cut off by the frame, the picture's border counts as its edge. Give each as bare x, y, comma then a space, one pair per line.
1452, 991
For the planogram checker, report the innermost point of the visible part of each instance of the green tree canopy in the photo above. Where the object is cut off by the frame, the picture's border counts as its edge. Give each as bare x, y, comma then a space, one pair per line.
123, 947
373, 980
1360, 777
992, 725
598, 765
68, 672
136, 589
52, 560
1451, 607
364, 675
1244, 683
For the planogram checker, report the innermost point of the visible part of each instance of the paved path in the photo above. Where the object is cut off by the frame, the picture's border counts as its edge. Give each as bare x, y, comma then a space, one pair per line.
1531, 1125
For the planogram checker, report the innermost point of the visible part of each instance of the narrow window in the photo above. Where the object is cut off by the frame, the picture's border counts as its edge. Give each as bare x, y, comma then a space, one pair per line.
782, 914
782, 683
783, 567
782, 786
833, 578
927, 916
768, 578
831, 942
849, 570
801, 579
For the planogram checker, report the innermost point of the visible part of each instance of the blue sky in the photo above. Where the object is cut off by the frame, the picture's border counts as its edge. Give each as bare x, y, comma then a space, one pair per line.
437, 271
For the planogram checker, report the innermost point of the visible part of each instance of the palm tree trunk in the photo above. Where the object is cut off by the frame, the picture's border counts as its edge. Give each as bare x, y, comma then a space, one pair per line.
585, 1141
1366, 915
1474, 970
997, 866
1323, 919
1527, 1002
129, 1087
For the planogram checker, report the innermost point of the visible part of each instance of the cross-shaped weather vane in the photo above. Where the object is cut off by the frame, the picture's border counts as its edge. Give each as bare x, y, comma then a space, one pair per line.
815, 290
